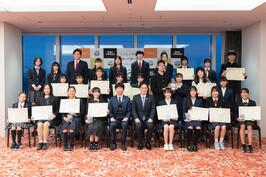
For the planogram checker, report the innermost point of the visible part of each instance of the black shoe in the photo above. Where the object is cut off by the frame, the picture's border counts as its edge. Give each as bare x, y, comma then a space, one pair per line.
244, 148
17, 146
195, 148
71, 147
123, 147
250, 149
148, 146
13, 146
113, 146
91, 147
20, 145
189, 148
39, 146
66, 148
96, 146
44, 146
140, 146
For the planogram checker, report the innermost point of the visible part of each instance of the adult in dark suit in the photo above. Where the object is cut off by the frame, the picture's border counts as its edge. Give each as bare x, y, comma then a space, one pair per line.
143, 112
184, 64
55, 73
77, 67
117, 69
120, 114
168, 66
140, 66
211, 74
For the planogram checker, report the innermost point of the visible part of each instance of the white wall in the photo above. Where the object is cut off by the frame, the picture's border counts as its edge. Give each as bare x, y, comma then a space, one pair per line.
253, 59
10, 69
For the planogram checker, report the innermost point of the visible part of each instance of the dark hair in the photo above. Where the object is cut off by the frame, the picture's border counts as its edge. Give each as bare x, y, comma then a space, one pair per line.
215, 89
20, 93
120, 85
98, 60
79, 76
140, 75
119, 75
61, 76
139, 52
167, 90
179, 75
207, 60
231, 52
184, 58
95, 89
223, 79
192, 88
118, 57
37, 58
99, 69
196, 79
55, 64
143, 83
50, 87
77, 50
244, 90
160, 61
164, 53
71, 87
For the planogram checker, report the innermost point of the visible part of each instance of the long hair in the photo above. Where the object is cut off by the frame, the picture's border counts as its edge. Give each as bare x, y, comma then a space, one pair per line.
204, 78
50, 87
55, 64
95, 89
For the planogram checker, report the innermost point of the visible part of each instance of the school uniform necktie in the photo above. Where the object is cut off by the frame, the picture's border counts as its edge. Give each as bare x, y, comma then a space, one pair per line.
120, 99
215, 102
139, 66
38, 71
143, 101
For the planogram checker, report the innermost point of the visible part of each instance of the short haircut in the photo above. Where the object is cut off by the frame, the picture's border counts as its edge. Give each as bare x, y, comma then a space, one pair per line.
37, 58
71, 87
99, 69
164, 53
96, 89
223, 79
179, 75
143, 83
20, 93
184, 58
214, 89
121, 85
207, 60
139, 52
79, 76
167, 90
160, 61
98, 60
244, 90
77, 50
140, 75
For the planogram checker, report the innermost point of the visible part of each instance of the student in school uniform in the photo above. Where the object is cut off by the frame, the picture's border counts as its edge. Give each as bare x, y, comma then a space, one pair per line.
211, 74
215, 101
159, 82
99, 76
168, 126
55, 73
193, 127
140, 79
80, 81
118, 68
140, 66
16, 128
36, 77
168, 66
46, 99
98, 64
184, 64
143, 113
120, 114
95, 126
118, 79
71, 122
77, 66
245, 101
200, 77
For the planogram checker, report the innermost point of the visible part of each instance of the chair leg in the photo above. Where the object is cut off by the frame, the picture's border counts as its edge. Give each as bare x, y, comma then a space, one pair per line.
55, 137
29, 137
232, 138
8, 136
34, 137
180, 137
259, 137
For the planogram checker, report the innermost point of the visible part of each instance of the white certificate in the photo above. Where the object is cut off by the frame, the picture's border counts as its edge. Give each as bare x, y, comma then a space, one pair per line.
97, 109
236, 74
17, 115
128, 91
103, 85
69, 106
42, 112
60, 89
198, 114
250, 112
82, 90
204, 89
188, 73
167, 112
220, 115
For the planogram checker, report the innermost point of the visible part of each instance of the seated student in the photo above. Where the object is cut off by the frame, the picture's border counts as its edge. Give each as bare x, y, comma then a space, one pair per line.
215, 101
118, 79
118, 68
55, 73
16, 128
120, 112
95, 128
43, 125
211, 74
63, 79
180, 91
143, 112
80, 81
184, 64
98, 64
71, 122
168, 126
245, 101
193, 127
140, 79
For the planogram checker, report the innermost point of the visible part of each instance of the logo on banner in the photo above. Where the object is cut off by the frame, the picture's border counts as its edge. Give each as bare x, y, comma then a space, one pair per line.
109, 53
177, 52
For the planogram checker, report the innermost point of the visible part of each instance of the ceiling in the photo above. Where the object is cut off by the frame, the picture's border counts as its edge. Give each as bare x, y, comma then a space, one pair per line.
139, 17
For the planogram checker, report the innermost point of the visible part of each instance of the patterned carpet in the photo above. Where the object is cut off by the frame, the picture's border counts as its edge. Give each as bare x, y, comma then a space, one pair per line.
81, 162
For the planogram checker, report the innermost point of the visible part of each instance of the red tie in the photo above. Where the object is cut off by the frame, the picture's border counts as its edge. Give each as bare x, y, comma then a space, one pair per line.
139, 66
215, 102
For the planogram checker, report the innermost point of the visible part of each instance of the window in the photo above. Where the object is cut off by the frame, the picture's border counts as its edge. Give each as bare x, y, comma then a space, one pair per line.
155, 41
116, 41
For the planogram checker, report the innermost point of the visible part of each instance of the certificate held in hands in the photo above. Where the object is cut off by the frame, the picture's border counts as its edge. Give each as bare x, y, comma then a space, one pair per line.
198, 114
69, 106
220, 115
250, 112
167, 112
17, 115
42, 112
97, 109
103, 85
82, 90
188, 73
204, 89
60, 89
235, 74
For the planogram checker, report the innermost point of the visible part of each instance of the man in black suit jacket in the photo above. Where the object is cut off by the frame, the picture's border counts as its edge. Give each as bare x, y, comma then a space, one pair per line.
211, 74
140, 66
143, 112
77, 67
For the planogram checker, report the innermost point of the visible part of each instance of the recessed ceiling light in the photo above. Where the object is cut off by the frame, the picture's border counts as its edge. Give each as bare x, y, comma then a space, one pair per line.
207, 5
51, 5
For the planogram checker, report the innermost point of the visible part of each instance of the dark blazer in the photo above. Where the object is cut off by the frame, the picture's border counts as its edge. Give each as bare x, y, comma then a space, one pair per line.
81, 113
212, 76
82, 69
210, 103
113, 73
138, 111
113, 107
26, 105
145, 71
228, 97
186, 106
240, 103
53, 101
168, 71
36, 79
93, 74
53, 78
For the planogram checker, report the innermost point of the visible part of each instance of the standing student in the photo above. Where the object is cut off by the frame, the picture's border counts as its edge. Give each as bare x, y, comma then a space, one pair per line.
140, 66
211, 74
168, 66
184, 64
143, 112
245, 101
16, 128
118, 68
169, 125
120, 113
95, 128
98, 64
99, 76
36, 77
193, 127
55, 73
118, 79
159, 82
71, 122
140, 79
46, 99
77, 67
215, 101
200, 77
